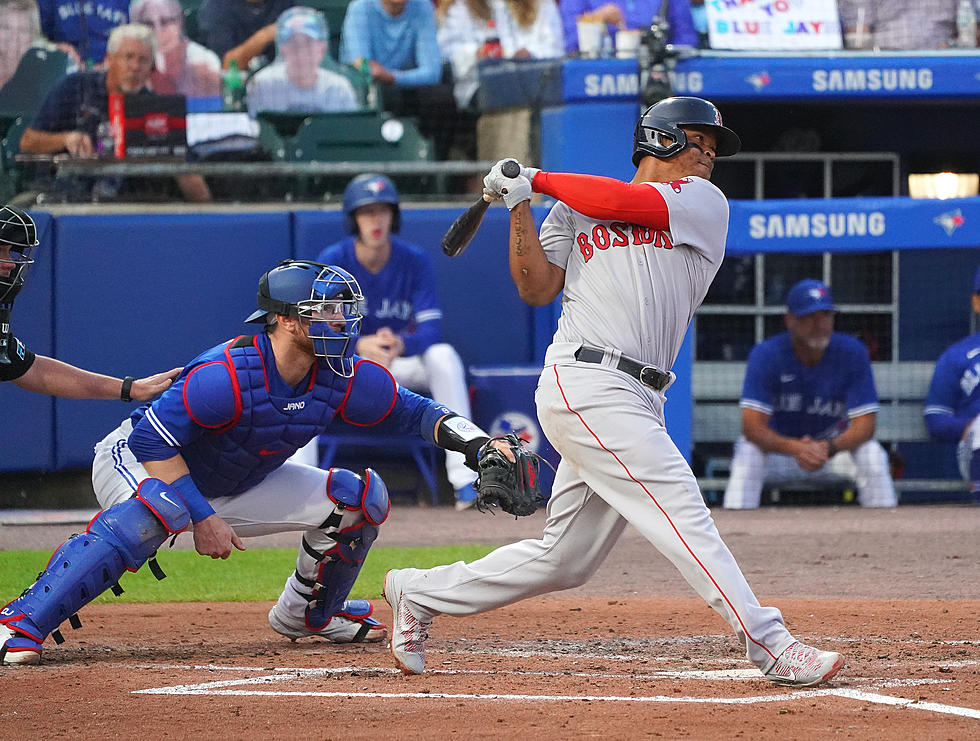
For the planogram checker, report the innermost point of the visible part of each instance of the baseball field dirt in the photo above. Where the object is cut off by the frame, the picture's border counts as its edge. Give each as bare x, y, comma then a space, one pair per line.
632, 654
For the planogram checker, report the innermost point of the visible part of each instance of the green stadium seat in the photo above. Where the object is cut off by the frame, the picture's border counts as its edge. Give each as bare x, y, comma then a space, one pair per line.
37, 72
358, 136
334, 11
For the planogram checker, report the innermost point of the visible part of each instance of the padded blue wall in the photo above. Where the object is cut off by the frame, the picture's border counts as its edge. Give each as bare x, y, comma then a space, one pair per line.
135, 294
27, 420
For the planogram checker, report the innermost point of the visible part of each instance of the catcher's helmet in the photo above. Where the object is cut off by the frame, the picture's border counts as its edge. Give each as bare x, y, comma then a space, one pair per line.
666, 118
325, 295
18, 232
366, 189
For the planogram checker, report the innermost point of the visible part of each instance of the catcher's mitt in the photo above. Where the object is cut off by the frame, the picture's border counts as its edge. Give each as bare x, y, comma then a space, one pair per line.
511, 486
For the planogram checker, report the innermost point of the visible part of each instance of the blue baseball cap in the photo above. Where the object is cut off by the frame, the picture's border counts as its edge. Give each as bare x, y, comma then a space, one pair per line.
307, 21
976, 282
809, 296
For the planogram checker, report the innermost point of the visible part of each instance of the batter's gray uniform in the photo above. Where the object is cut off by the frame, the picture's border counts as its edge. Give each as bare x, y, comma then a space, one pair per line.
632, 291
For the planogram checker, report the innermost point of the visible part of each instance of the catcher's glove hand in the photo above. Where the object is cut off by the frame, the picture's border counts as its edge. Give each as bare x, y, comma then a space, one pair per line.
511, 485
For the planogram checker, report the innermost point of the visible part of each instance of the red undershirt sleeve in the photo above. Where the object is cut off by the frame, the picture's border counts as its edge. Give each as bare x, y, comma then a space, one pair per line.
606, 198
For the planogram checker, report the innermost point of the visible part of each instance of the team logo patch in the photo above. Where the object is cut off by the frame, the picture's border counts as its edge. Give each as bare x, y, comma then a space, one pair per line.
675, 185
950, 221
519, 424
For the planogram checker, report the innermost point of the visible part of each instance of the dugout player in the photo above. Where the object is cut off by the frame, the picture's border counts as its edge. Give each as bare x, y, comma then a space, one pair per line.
402, 327
632, 261
18, 238
953, 402
211, 453
809, 407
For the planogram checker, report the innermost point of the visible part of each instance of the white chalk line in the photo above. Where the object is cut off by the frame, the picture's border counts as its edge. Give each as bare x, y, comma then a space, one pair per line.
224, 687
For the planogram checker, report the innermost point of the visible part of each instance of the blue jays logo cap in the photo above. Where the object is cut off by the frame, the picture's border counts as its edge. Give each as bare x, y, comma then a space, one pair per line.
307, 21
809, 296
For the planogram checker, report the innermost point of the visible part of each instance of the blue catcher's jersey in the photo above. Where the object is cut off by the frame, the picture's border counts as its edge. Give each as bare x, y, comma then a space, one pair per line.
234, 420
817, 401
401, 296
954, 392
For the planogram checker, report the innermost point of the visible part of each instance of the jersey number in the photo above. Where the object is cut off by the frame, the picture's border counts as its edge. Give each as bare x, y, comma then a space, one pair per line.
620, 234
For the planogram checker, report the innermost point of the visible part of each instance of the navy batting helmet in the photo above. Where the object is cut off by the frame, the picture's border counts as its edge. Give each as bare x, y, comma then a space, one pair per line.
366, 189
665, 119
18, 232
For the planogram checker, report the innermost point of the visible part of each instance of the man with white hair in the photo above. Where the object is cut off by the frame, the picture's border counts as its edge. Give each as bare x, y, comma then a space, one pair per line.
69, 117
296, 81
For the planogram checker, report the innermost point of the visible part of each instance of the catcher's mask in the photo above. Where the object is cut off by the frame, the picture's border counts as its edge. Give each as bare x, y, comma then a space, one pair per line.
367, 189
658, 132
326, 296
18, 238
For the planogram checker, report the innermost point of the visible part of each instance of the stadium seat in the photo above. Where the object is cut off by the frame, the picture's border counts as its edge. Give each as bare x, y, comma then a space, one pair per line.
11, 175
358, 136
38, 71
334, 11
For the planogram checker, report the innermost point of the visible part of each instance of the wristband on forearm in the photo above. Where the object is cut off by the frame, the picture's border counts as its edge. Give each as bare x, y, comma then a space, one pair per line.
462, 436
832, 448
199, 507
127, 386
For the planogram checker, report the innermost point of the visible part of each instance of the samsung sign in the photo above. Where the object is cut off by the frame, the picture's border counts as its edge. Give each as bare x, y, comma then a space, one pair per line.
871, 80
817, 225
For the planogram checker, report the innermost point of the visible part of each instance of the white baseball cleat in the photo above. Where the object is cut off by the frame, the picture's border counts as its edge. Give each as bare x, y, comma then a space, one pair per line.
17, 649
408, 633
804, 666
352, 625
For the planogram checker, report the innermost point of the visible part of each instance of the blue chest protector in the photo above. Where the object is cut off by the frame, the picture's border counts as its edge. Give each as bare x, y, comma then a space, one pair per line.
263, 429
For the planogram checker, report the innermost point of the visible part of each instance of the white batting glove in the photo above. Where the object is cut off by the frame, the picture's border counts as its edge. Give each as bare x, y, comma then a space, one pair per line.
529, 172
490, 196
514, 190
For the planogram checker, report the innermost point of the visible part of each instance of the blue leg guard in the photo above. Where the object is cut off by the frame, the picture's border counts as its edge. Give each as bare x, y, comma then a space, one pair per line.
118, 539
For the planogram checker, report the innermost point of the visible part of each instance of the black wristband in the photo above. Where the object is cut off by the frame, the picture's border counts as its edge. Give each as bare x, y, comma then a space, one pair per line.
832, 448
472, 451
126, 387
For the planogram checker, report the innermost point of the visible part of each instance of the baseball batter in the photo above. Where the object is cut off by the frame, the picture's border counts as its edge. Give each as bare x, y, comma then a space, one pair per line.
809, 407
212, 453
952, 408
634, 261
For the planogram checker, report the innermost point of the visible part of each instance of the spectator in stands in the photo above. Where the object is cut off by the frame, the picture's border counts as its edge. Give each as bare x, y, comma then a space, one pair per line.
952, 407
471, 30
402, 326
242, 30
898, 24
628, 14
69, 117
19, 28
80, 28
809, 407
296, 81
395, 42
183, 67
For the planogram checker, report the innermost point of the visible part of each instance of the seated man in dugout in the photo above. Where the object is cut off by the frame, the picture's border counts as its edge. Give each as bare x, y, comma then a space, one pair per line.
809, 406
71, 115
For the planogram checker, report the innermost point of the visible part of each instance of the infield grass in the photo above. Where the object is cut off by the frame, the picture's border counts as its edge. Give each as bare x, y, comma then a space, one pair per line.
255, 575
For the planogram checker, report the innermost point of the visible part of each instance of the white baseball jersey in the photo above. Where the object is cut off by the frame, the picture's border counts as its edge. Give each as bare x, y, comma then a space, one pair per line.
631, 287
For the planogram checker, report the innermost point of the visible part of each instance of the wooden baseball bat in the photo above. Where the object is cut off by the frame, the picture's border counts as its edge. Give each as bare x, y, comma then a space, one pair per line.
459, 235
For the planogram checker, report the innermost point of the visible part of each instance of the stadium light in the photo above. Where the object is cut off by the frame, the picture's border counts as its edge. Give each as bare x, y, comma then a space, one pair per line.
943, 185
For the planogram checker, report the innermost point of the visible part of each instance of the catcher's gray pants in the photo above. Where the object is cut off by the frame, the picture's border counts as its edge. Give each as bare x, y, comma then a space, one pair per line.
618, 466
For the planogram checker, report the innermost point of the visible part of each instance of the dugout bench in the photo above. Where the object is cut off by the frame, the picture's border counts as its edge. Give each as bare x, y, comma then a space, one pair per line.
902, 388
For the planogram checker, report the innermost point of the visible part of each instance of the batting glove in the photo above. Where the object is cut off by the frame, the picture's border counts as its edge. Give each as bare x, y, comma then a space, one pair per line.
514, 190
529, 172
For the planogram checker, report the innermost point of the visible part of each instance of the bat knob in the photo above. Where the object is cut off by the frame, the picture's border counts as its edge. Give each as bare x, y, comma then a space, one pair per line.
510, 169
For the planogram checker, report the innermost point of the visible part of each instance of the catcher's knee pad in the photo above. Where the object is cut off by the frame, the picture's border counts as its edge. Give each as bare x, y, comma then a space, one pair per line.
118, 539
362, 505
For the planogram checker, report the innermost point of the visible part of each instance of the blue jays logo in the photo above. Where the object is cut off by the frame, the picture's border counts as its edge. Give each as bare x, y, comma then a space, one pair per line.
950, 221
759, 80
375, 186
817, 293
518, 424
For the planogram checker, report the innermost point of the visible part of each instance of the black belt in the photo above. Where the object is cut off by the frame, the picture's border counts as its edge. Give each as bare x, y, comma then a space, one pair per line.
648, 375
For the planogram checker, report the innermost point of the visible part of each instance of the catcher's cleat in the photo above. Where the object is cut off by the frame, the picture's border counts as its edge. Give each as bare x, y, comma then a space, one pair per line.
804, 666
353, 624
408, 633
17, 649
